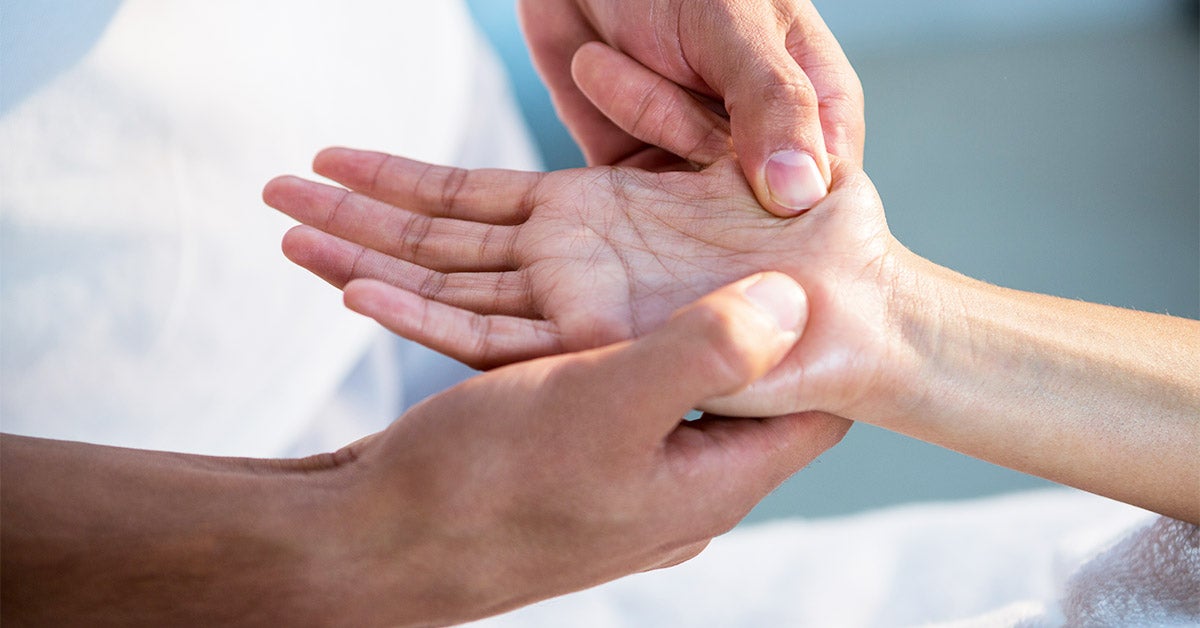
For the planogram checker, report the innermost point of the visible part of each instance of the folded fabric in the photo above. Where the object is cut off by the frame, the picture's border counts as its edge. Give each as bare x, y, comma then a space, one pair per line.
1150, 577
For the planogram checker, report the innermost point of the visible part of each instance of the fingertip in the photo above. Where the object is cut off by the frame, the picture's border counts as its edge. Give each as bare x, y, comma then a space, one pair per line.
586, 57
275, 192
315, 250
370, 297
297, 242
583, 67
349, 166
793, 441
781, 298
747, 329
329, 158
776, 123
794, 182
805, 435
355, 296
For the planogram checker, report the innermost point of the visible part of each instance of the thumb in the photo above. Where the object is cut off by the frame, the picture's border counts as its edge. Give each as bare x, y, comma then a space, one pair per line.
776, 127
716, 346
773, 108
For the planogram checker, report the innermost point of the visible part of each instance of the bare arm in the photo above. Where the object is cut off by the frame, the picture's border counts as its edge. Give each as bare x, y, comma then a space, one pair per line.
1102, 398
107, 536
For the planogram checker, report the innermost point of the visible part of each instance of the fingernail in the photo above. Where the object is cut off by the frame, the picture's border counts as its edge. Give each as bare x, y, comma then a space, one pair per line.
794, 180
779, 297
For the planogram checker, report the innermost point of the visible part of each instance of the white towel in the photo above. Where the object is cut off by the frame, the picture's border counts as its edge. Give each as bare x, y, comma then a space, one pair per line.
1150, 577
1042, 558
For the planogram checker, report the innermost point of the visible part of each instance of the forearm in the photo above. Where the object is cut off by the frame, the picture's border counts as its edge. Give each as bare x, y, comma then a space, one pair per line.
1097, 397
98, 535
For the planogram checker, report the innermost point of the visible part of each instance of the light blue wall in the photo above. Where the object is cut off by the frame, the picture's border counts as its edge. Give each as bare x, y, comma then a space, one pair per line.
1046, 146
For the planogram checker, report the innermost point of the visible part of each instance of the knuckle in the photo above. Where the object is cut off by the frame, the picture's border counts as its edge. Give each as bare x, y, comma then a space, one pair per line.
432, 285
642, 107
714, 142
452, 185
483, 351
412, 235
777, 92
786, 88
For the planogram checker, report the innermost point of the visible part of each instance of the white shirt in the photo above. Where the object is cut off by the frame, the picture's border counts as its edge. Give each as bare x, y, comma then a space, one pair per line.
145, 301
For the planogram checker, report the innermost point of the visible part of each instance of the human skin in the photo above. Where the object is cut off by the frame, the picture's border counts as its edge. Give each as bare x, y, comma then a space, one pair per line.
772, 65
523, 483
494, 266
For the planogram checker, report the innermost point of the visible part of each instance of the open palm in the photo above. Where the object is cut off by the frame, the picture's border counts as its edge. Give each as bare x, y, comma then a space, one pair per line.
493, 266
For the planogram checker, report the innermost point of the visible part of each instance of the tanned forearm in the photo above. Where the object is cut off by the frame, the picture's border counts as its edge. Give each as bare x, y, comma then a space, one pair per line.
104, 536
1097, 397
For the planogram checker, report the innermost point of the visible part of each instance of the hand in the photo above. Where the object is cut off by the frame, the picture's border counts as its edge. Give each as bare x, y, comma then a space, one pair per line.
773, 64
520, 484
554, 475
492, 267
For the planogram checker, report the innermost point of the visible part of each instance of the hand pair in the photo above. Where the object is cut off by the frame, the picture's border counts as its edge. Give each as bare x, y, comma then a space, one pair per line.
561, 472
557, 474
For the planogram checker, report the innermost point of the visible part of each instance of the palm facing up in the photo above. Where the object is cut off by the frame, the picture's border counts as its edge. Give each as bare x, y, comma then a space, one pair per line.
492, 267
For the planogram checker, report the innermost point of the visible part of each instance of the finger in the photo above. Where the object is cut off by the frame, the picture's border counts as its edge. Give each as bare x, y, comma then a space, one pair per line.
649, 107
554, 30
494, 196
716, 346
339, 262
774, 394
440, 243
480, 341
773, 109
729, 465
331, 258
839, 91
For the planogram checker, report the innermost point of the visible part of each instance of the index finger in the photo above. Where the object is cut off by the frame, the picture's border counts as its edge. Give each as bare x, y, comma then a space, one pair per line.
554, 31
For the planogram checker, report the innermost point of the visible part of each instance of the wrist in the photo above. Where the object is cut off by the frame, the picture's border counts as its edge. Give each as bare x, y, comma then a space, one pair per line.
370, 552
264, 539
924, 337
305, 511
358, 555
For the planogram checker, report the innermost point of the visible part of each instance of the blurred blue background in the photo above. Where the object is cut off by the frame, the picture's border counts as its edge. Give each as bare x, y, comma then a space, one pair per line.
1045, 146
